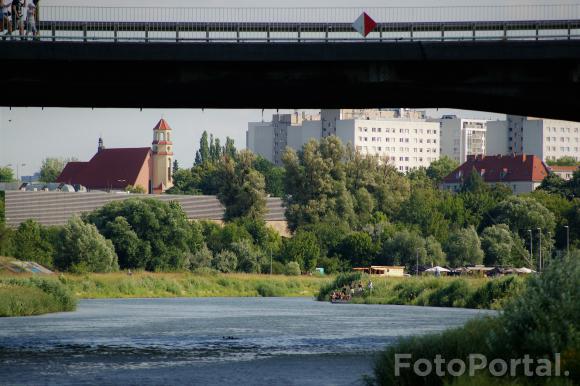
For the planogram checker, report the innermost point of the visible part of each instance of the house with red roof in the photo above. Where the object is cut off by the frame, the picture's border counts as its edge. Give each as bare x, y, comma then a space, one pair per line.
522, 173
565, 172
115, 169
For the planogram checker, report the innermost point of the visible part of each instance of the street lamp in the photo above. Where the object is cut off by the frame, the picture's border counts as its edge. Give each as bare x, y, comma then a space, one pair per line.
540, 258
18, 165
531, 247
417, 262
567, 239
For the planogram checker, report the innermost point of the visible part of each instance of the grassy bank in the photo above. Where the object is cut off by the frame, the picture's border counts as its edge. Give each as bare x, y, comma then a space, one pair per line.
159, 285
542, 321
433, 291
24, 296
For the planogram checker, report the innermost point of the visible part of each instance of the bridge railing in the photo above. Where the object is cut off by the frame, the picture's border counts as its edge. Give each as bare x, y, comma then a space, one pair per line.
59, 23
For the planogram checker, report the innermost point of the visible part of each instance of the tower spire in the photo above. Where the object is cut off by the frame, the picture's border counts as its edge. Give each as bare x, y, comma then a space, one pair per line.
101, 145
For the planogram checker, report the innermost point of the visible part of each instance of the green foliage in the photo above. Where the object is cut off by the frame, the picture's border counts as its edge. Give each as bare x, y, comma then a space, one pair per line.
441, 168
564, 161
133, 253
246, 256
225, 261
273, 176
464, 248
501, 247
135, 189
34, 296
473, 183
404, 245
2, 207
51, 169
84, 249
303, 249
292, 268
540, 322
358, 249
6, 174
202, 258
340, 281
31, 244
241, 187
162, 226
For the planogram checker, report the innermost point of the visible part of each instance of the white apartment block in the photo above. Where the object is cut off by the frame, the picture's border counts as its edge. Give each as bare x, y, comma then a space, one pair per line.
549, 139
461, 138
400, 137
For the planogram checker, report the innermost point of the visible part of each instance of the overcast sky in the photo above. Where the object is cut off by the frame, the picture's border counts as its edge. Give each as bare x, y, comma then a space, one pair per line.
28, 135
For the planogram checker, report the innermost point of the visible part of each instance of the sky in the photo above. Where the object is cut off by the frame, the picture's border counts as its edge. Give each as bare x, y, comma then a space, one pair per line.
28, 135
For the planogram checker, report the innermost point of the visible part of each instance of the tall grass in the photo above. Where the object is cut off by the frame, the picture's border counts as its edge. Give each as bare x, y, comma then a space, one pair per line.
542, 320
143, 285
34, 296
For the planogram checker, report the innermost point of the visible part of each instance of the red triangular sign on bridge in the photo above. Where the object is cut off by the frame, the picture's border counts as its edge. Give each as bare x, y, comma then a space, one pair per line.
364, 24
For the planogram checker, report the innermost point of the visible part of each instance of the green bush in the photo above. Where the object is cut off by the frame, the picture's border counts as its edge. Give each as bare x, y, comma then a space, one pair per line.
292, 268
267, 289
84, 249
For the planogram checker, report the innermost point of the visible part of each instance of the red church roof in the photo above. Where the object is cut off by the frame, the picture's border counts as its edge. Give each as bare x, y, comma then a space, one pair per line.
162, 125
108, 169
501, 169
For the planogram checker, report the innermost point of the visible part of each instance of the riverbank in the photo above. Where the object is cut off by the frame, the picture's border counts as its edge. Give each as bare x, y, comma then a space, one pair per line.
541, 321
476, 292
26, 296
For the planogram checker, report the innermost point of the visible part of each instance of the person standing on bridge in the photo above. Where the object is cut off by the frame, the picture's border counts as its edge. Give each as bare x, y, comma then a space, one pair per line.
17, 15
31, 19
6, 6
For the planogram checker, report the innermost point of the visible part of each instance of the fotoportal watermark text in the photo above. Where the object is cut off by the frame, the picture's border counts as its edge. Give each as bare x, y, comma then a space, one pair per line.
455, 367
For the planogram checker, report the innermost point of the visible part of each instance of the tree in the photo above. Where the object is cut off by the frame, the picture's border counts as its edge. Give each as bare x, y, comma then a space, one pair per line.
292, 268
501, 247
358, 248
133, 253
555, 184
51, 169
564, 161
246, 255
464, 248
402, 249
164, 225
473, 183
273, 176
6, 174
521, 214
225, 261
204, 154
302, 248
175, 167
230, 148
241, 187
84, 249
441, 168
202, 258
422, 210
30, 244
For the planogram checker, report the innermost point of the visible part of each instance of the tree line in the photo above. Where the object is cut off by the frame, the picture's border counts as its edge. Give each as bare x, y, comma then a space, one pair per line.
343, 209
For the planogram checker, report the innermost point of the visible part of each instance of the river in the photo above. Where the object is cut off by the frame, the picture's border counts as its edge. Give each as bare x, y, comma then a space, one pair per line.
206, 341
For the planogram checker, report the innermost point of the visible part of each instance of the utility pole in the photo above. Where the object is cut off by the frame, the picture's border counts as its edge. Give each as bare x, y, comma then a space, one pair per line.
540, 262
531, 247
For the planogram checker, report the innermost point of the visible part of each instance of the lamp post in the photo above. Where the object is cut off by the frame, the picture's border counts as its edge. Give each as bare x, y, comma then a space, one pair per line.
531, 247
567, 239
540, 250
417, 262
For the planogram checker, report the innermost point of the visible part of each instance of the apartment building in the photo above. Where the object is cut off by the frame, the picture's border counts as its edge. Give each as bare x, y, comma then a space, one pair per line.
549, 139
401, 137
461, 138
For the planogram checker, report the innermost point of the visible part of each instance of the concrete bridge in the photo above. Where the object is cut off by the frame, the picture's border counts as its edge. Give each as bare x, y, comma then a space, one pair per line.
527, 64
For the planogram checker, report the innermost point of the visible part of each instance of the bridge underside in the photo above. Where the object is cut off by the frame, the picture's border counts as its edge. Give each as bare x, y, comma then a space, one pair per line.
537, 78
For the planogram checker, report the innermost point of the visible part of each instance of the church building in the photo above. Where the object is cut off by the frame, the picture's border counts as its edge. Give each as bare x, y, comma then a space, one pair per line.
115, 169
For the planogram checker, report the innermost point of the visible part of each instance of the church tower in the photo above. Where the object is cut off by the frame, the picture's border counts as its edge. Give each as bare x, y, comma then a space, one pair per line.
162, 158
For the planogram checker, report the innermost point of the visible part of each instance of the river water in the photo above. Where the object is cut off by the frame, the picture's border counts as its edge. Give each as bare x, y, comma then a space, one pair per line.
221, 341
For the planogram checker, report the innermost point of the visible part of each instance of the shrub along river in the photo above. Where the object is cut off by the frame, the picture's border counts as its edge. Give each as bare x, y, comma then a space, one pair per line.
225, 341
